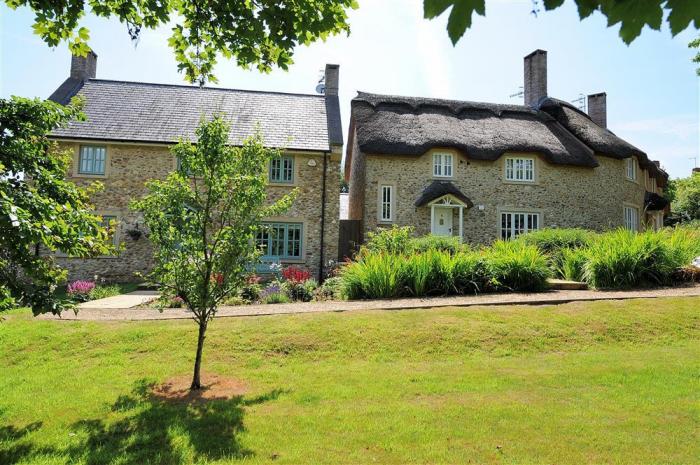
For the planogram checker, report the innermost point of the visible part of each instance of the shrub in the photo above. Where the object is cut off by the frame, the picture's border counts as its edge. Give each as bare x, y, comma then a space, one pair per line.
395, 240
516, 266
80, 290
623, 259
168, 301
101, 291
551, 241
374, 275
331, 289
427, 273
270, 296
300, 290
431, 242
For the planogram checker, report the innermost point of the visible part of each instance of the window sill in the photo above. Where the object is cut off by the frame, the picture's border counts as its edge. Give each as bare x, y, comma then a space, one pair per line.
85, 175
282, 184
522, 183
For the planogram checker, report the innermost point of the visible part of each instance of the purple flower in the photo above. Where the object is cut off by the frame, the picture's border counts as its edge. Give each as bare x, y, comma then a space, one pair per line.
80, 287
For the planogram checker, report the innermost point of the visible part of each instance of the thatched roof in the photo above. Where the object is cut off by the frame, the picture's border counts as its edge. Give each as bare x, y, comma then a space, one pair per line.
601, 140
654, 201
482, 131
437, 189
562, 134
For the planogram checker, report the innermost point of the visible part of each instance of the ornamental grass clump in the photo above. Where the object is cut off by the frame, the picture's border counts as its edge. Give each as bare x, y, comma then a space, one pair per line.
515, 266
625, 259
468, 273
375, 275
427, 273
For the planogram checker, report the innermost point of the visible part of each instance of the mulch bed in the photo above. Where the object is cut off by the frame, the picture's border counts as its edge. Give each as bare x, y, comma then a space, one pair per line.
214, 387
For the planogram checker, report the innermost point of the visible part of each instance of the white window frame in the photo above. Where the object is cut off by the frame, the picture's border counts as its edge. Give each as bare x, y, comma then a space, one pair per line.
386, 205
443, 165
520, 169
631, 217
518, 222
631, 168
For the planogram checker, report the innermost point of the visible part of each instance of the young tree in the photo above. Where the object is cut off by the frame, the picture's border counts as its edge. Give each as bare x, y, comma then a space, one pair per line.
203, 219
39, 209
255, 33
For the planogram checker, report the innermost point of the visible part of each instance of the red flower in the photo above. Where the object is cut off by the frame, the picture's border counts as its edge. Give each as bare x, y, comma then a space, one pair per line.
218, 278
295, 275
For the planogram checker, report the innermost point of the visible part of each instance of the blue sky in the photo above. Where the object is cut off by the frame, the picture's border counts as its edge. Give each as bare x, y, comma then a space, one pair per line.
653, 91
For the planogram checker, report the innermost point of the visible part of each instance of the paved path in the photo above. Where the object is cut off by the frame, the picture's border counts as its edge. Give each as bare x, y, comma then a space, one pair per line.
121, 301
552, 297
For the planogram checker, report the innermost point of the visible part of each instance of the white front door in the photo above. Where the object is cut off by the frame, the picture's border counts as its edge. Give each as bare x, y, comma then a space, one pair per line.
442, 222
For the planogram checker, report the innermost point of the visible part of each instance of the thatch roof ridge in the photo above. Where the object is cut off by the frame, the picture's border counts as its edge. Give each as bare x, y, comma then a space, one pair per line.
454, 106
395, 125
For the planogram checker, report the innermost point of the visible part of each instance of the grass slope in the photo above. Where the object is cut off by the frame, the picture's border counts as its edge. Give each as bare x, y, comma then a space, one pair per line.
603, 382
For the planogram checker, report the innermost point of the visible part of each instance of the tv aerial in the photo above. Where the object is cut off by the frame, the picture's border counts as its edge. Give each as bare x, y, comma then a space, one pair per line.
321, 85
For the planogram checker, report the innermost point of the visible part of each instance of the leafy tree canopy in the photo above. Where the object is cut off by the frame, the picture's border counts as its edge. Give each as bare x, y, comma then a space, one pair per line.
259, 33
39, 209
686, 197
632, 15
203, 219
695, 43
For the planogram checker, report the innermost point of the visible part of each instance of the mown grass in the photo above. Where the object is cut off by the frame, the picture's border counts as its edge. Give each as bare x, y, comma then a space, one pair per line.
603, 382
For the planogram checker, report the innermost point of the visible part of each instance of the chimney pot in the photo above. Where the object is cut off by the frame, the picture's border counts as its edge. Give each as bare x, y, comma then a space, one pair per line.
598, 109
331, 79
535, 76
84, 68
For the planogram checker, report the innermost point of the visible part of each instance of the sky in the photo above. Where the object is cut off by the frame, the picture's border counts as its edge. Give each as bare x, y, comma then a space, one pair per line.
652, 88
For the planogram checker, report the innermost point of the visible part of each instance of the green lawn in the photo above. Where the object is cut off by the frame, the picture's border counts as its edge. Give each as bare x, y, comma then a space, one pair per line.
604, 382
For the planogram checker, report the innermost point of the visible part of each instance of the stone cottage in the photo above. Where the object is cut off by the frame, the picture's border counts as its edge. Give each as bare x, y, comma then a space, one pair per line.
127, 137
482, 171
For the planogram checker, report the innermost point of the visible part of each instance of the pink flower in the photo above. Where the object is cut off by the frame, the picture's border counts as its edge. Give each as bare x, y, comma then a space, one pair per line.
80, 287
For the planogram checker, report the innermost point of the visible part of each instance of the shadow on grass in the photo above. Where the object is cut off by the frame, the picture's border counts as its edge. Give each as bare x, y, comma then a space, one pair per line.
14, 446
154, 430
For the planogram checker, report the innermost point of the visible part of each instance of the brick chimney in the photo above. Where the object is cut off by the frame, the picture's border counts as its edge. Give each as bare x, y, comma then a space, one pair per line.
84, 68
331, 79
535, 86
598, 109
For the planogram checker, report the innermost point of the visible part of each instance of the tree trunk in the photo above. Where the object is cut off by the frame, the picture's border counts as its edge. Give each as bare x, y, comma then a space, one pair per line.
196, 381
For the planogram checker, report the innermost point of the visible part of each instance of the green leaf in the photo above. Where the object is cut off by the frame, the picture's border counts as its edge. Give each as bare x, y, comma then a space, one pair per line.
552, 4
461, 17
683, 12
434, 8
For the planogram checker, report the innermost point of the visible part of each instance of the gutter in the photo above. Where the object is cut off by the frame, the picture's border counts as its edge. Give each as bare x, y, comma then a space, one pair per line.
323, 217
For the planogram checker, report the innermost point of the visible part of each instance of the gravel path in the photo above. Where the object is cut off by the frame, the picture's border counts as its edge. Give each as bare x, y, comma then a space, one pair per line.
552, 297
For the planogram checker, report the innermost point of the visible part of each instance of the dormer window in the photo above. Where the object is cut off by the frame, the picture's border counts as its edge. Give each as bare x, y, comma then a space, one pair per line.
442, 165
520, 169
631, 168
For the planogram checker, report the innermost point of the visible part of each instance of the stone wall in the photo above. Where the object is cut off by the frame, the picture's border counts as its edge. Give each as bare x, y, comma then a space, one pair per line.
565, 196
129, 166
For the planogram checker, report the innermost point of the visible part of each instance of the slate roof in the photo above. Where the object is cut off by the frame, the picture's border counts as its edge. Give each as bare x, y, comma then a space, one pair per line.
144, 112
396, 125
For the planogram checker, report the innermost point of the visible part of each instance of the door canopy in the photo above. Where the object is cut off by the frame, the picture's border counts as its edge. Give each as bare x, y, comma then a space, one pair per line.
444, 191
